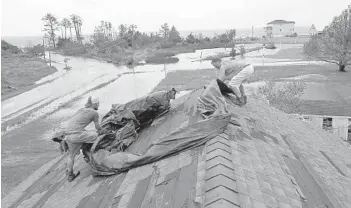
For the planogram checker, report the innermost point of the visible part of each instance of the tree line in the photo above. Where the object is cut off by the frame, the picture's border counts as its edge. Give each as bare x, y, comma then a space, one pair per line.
128, 35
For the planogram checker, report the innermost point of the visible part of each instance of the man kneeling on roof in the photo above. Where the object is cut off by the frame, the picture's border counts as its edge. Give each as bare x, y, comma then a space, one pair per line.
76, 137
231, 76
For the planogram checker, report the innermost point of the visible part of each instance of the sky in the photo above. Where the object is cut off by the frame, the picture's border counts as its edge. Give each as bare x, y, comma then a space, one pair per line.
23, 17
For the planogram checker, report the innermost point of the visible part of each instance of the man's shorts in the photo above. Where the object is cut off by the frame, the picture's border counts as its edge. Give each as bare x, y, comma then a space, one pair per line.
74, 148
244, 74
75, 141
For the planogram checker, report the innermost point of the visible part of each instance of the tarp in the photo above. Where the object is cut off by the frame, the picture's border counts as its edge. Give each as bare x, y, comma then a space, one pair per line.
121, 123
193, 135
182, 139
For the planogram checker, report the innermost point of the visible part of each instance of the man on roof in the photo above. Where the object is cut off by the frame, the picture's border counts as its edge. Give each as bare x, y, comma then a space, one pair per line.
230, 77
77, 137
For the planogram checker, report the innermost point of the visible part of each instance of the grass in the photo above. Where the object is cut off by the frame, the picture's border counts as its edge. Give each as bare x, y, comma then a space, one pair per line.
289, 53
19, 73
193, 79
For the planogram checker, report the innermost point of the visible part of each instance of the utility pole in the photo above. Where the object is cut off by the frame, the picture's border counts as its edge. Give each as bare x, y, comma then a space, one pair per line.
252, 32
50, 54
44, 48
49, 51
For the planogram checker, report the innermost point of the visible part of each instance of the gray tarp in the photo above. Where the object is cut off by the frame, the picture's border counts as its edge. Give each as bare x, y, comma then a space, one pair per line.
196, 134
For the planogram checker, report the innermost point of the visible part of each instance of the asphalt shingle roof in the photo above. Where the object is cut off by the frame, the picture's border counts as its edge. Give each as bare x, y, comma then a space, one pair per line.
263, 159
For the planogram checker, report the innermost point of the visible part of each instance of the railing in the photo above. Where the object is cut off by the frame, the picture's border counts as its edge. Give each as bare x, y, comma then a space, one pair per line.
338, 126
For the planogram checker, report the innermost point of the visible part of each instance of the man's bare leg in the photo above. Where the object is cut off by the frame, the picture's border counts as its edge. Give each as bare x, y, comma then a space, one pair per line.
70, 162
243, 95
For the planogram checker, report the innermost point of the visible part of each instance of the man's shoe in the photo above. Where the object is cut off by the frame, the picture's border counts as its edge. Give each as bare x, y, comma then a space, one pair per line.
71, 176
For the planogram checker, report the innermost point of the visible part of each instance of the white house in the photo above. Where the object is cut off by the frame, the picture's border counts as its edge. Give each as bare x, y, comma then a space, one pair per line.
280, 28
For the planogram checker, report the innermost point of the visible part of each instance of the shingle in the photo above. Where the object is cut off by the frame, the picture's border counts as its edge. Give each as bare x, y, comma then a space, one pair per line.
255, 194
219, 160
218, 145
257, 204
242, 187
220, 170
245, 201
217, 139
220, 180
221, 203
269, 200
221, 193
218, 152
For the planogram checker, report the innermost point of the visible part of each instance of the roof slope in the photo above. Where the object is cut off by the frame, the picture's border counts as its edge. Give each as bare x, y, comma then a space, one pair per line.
264, 159
280, 22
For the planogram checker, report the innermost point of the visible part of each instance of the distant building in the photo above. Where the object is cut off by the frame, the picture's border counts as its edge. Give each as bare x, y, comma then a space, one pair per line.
280, 28
313, 30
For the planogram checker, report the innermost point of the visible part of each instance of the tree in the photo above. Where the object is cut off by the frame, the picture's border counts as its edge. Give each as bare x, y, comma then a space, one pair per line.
37, 50
77, 24
174, 35
165, 30
242, 50
66, 24
191, 39
69, 25
231, 34
132, 29
334, 44
122, 30
233, 52
50, 26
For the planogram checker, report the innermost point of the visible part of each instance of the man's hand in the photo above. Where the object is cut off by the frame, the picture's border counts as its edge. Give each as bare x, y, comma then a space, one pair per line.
103, 131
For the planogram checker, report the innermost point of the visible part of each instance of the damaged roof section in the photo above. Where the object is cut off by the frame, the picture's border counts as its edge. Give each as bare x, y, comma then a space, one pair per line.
263, 159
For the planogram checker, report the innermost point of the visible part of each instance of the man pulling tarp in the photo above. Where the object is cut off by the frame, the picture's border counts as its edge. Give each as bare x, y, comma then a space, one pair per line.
75, 135
119, 127
230, 77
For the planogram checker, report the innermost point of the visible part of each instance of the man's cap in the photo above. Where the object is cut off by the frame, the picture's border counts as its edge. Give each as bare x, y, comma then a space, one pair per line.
92, 101
95, 100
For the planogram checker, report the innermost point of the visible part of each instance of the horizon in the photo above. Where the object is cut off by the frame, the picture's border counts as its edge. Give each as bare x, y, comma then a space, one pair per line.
184, 15
194, 31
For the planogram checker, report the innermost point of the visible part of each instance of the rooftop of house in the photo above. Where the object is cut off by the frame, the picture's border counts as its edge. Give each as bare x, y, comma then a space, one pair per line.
280, 22
265, 158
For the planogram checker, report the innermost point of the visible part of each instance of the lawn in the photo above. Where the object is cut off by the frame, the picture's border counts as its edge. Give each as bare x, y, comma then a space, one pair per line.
19, 73
192, 79
289, 53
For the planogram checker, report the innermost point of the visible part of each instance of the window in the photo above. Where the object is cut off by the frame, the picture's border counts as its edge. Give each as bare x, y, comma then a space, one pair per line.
327, 124
349, 130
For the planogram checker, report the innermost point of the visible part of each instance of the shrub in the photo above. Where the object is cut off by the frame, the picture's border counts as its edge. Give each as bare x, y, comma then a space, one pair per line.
242, 50
270, 46
233, 52
284, 95
73, 49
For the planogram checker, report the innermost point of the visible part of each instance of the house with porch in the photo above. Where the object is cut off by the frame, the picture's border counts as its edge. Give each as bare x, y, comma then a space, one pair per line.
280, 28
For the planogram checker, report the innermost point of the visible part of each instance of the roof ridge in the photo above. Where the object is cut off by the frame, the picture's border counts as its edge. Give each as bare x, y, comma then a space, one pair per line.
216, 185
